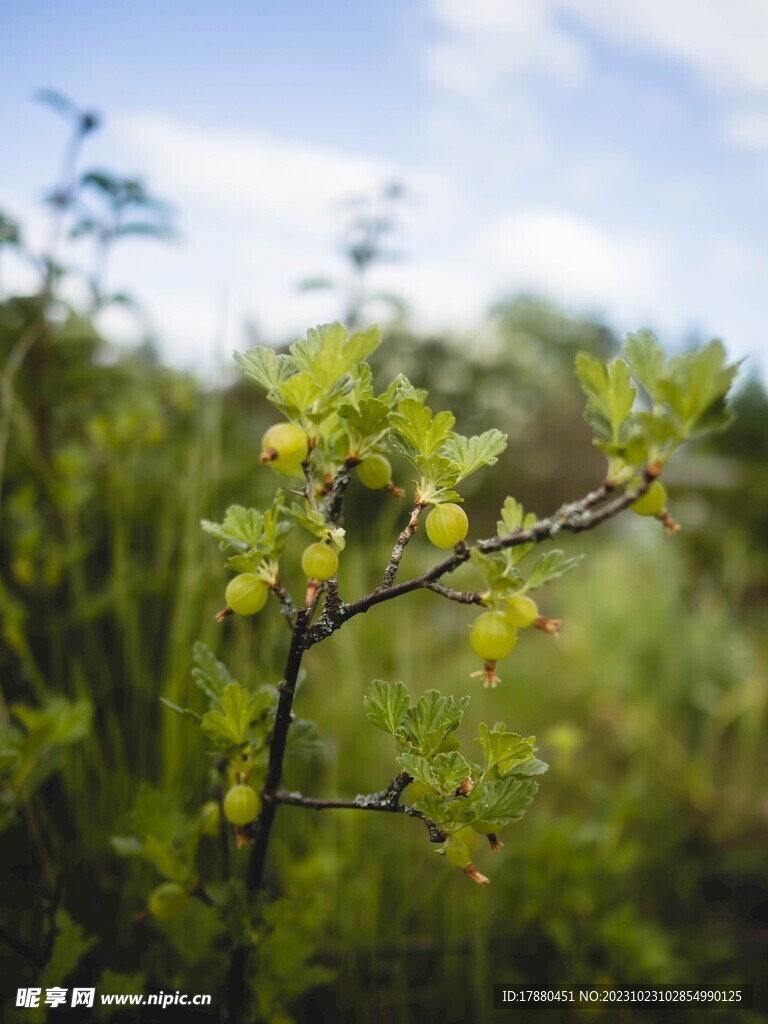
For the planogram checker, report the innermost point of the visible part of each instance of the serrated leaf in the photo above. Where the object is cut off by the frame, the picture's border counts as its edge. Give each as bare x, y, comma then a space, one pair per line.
646, 360
210, 674
424, 434
327, 354
501, 802
242, 528
449, 770
610, 394
549, 566
69, 947
431, 719
298, 394
696, 385
471, 453
448, 813
496, 570
386, 705
265, 367
444, 772
238, 710
188, 713
514, 518
503, 751
303, 741
368, 420
417, 767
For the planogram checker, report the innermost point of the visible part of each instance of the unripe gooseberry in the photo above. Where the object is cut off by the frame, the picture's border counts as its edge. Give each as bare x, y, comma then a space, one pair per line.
653, 502
241, 804
166, 901
457, 851
375, 471
447, 524
485, 828
319, 561
492, 636
284, 446
520, 610
210, 818
246, 594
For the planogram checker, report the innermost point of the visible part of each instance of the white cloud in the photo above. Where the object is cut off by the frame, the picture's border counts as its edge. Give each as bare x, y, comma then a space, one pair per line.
748, 127
577, 261
296, 184
484, 42
487, 42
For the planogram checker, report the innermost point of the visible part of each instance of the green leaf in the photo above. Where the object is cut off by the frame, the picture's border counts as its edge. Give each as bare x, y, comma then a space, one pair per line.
386, 705
188, 713
504, 751
514, 518
610, 394
298, 394
368, 420
327, 355
422, 433
696, 386
242, 528
449, 771
417, 767
501, 802
304, 742
646, 360
471, 453
431, 719
265, 367
239, 710
69, 947
550, 566
210, 674
443, 772
497, 571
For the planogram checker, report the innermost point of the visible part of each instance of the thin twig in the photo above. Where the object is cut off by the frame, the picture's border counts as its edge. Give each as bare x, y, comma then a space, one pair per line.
462, 596
397, 551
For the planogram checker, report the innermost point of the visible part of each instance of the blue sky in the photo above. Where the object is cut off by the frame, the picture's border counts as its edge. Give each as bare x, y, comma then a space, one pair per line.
609, 154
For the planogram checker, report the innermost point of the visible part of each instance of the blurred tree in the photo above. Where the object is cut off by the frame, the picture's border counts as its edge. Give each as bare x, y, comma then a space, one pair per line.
371, 221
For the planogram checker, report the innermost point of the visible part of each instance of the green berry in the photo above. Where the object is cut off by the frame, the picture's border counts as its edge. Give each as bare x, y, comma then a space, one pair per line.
166, 901
485, 828
457, 852
246, 594
492, 636
241, 804
520, 610
319, 561
653, 502
284, 446
375, 472
210, 818
446, 525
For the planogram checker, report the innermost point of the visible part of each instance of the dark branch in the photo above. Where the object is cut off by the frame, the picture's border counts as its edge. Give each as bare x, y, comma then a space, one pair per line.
333, 501
287, 607
574, 517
